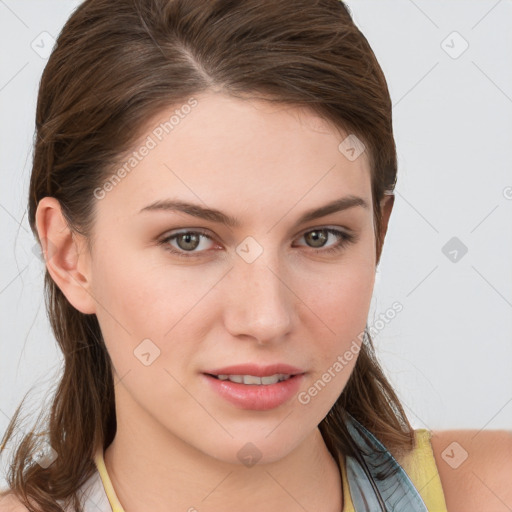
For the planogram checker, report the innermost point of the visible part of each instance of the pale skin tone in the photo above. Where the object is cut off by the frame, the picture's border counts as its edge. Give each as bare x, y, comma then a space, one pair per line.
177, 441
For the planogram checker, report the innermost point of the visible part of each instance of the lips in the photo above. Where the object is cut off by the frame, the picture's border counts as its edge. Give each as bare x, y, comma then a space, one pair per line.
249, 392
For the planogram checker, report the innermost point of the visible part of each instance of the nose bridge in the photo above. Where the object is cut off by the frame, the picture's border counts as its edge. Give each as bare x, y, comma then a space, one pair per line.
261, 305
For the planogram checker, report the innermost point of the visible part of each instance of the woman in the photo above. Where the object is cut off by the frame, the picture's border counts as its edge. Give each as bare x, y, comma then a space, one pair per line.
211, 187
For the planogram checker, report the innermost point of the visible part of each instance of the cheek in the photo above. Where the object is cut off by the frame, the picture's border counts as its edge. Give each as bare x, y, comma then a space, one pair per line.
138, 301
129, 307
339, 303
135, 291
341, 296
342, 305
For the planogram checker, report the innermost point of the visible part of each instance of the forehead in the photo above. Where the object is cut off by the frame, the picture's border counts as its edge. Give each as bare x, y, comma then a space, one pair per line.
216, 148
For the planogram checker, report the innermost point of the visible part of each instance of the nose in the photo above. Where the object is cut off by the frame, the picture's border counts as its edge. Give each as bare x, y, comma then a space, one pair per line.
261, 303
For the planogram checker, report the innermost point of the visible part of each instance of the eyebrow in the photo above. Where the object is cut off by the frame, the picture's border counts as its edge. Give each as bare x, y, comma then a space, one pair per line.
211, 214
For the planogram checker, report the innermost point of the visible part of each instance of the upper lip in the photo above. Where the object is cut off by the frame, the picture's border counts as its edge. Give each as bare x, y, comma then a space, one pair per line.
256, 370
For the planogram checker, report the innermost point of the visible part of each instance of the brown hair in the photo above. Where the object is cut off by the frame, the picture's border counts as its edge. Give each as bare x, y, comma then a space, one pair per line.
115, 66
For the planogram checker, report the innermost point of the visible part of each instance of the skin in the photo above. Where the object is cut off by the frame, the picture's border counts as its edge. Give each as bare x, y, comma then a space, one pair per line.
177, 441
482, 480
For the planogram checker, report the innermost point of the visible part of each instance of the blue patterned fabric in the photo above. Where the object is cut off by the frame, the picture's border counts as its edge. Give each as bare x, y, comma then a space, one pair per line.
377, 482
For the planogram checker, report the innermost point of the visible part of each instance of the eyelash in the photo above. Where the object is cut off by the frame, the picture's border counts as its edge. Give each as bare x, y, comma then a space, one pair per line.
344, 240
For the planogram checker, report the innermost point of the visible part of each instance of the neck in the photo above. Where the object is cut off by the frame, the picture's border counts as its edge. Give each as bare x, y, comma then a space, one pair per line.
151, 469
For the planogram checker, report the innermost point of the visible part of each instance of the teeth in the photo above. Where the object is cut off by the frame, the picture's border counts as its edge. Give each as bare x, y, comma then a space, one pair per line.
252, 379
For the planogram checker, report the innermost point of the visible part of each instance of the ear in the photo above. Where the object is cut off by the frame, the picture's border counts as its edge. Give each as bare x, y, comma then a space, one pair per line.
386, 207
66, 255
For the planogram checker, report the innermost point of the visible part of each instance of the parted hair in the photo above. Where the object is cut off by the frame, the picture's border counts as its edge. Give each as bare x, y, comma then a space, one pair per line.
116, 64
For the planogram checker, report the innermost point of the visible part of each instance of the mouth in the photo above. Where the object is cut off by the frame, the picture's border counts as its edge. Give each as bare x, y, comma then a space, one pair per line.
254, 380
244, 390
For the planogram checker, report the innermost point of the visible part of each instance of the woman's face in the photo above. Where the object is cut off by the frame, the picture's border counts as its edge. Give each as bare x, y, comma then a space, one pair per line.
270, 289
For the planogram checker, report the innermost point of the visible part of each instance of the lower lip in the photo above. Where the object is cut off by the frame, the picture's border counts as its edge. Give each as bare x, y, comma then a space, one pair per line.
258, 397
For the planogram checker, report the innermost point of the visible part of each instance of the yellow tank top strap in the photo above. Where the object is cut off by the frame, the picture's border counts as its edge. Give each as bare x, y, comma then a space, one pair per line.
348, 505
107, 484
420, 466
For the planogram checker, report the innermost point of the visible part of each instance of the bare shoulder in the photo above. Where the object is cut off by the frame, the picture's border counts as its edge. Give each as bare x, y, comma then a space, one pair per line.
10, 503
475, 468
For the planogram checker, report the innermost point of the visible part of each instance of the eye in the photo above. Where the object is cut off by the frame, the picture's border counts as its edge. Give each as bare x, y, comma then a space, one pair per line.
319, 236
188, 241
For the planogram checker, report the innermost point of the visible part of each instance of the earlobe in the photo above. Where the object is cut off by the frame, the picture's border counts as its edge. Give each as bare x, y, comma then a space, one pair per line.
66, 257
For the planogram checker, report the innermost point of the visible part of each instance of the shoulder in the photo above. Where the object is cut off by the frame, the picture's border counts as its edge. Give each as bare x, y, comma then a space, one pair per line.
475, 468
10, 503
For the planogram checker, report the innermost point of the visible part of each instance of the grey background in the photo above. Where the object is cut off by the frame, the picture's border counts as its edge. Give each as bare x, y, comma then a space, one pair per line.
449, 352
